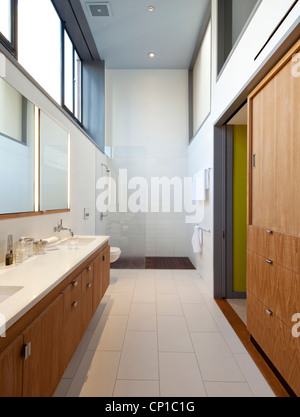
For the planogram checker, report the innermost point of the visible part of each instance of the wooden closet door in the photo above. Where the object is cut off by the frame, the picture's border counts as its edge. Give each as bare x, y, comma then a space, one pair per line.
274, 126
263, 169
287, 151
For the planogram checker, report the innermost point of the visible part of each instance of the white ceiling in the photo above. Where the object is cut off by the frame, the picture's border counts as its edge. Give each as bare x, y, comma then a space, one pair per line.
126, 37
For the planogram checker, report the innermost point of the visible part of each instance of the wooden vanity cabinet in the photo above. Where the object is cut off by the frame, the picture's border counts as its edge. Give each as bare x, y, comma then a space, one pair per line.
72, 318
11, 369
101, 276
39, 346
43, 365
88, 289
105, 270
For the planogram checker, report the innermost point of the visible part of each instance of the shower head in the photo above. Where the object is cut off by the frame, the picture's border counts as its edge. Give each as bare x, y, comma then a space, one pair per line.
106, 167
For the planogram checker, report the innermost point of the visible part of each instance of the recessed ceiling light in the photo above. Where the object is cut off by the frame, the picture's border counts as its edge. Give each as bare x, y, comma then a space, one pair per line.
151, 55
151, 8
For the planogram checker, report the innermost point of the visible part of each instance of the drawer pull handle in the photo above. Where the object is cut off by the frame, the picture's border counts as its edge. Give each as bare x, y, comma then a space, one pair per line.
104, 258
270, 232
27, 350
75, 304
75, 284
269, 312
89, 268
89, 285
269, 262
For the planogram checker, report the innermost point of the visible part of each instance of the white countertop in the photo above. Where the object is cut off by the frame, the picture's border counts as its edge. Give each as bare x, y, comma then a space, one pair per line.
39, 275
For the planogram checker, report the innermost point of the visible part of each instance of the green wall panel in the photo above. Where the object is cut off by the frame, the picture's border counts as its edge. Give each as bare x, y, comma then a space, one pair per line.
239, 207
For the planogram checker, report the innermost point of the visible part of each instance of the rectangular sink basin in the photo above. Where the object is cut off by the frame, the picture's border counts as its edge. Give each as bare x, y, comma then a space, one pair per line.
83, 241
80, 241
6, 292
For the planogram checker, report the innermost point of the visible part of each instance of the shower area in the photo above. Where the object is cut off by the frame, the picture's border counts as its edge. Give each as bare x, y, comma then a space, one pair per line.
146, 227
147, 142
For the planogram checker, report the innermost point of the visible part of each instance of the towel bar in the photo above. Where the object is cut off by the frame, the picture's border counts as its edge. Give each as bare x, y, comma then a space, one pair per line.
203, 230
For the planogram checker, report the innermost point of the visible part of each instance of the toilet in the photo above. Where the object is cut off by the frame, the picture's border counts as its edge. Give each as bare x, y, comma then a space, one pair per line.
115, 254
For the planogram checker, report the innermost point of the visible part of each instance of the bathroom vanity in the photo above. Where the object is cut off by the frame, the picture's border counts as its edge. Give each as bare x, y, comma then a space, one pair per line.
46, 305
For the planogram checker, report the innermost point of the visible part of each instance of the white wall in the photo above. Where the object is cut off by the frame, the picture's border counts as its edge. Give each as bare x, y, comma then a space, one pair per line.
236, 75
84, 157
147, 127
202, 82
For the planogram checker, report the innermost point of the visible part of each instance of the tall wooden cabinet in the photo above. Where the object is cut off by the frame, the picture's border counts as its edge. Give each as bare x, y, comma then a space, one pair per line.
273, 261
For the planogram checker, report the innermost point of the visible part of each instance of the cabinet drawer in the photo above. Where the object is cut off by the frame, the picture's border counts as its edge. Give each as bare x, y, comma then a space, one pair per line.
273, 285
258, 240
282, 248
276, 340
72, 294
87, 295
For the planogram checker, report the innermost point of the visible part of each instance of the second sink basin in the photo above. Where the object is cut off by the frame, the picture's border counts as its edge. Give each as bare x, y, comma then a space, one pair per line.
6, 292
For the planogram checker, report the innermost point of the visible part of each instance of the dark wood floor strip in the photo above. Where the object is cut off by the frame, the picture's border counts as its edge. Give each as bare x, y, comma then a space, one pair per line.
154, 263
169, 263
241, 330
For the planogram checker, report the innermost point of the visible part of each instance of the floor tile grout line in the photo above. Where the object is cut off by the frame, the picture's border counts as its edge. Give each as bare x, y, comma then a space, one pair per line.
116, 378
157, 344
246, 380
194, 349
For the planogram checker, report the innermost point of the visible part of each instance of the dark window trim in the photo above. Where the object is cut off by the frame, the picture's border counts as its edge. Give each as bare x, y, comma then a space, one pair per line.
11, 46
62, 58
220, 71
63, 105
276, 29
73, 79
202, 33
70, 117
71, 12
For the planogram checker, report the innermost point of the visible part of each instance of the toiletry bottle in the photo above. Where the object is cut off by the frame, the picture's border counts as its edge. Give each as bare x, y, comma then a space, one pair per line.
20, 252
9, 253
25, 248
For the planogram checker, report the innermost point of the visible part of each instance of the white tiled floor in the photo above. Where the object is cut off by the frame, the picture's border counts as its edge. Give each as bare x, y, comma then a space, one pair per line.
160, 334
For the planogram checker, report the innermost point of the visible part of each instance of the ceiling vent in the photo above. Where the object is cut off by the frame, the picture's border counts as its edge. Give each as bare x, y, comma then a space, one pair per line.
99, 9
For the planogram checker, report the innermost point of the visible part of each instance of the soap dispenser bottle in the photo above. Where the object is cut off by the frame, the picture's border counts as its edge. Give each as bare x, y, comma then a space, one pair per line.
9, 253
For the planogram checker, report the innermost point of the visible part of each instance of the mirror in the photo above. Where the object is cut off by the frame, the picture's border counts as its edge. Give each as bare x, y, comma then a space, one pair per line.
20, 190
16, 151
54, 149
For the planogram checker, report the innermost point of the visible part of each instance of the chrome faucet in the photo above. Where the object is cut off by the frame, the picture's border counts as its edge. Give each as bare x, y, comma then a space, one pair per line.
60, 227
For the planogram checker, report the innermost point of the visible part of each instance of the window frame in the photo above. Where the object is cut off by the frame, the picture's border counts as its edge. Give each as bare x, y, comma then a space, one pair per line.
222, 38
70, 112
12, 46
207, 20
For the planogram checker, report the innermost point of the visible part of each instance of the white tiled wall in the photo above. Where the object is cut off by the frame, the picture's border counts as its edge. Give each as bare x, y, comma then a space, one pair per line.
147, 128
